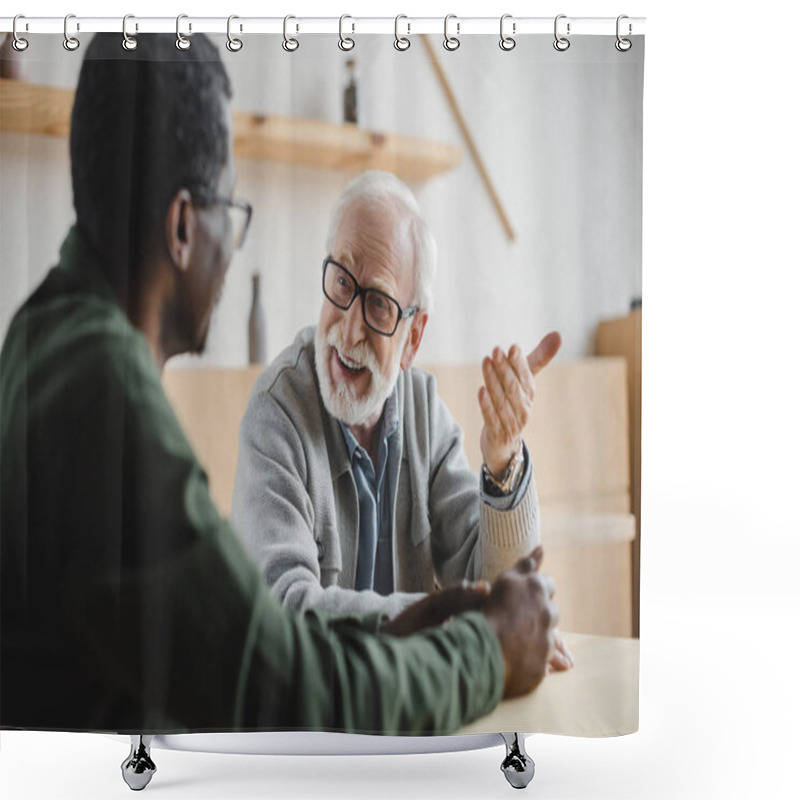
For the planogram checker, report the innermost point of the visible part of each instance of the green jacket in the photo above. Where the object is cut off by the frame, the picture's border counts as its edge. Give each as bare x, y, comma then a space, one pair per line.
127, 602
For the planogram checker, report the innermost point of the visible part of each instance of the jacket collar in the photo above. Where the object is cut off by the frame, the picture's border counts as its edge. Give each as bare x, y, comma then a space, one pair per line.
83, 263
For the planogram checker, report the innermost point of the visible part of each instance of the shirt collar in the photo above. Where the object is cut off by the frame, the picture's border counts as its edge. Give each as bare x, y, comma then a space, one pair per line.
80, 260
389, 421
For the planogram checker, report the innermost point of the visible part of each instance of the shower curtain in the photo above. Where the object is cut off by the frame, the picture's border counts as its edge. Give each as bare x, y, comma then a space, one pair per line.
525, 162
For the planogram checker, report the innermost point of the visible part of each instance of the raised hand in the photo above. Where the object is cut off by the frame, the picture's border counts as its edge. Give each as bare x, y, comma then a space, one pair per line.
506, 399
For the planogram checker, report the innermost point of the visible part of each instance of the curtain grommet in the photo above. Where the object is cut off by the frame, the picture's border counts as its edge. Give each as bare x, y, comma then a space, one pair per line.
70, 43
289, 43
451, 43
233, 44
401, 43
622, 44
18, 43
507, 43
181, 42
561, 43
128, 42
346, 43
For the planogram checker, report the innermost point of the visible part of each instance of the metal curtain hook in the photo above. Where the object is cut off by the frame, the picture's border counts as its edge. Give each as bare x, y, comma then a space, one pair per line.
401, 43
561, 43
70, 42
623, 45
182, 43
451, 42
233, 44
289, 43
19, 44
507, 42
345, 42
128, 42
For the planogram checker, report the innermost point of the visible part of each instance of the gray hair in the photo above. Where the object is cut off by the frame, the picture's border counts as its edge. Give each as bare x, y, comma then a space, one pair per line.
384, 187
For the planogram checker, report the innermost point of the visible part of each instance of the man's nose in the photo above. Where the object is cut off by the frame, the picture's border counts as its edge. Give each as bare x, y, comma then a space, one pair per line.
353, 328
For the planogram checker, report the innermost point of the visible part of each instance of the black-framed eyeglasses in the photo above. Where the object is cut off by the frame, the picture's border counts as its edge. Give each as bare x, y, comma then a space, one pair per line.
381, 312
239, 212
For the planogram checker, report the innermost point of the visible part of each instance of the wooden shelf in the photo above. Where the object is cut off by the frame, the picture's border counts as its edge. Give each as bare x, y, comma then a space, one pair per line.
45, 110
576, 528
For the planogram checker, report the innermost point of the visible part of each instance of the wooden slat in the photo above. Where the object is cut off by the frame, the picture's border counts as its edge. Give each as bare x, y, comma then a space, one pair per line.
623, 337
578, 435
316, 143
26, 108
580, 430
45, 110
593, 585
610, 503
565, 529
210, 404
589, 556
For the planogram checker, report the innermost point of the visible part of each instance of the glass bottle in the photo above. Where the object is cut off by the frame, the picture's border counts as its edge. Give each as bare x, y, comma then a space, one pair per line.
350, 94
256, 326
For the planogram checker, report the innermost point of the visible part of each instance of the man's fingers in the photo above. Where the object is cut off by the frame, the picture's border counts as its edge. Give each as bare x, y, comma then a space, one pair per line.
501, 406
536, 557
543, 354
522, 370
458, 600
437, 608
517, 397
530, 563
562, 649
490, 418
559, 662
560, 657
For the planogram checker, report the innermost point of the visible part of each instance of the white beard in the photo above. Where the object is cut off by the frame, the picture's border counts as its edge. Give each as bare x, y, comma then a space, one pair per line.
341, 401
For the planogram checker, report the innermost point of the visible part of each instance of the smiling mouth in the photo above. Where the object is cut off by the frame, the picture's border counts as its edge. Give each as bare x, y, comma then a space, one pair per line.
350, 366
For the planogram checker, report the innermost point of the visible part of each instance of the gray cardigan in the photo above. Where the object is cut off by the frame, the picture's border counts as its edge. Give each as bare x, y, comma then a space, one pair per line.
295, 505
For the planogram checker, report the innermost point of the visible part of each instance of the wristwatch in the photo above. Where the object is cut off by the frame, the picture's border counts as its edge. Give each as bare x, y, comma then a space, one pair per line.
500, 487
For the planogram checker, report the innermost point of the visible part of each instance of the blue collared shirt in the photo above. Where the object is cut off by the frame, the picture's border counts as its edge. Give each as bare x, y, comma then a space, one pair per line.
376, 487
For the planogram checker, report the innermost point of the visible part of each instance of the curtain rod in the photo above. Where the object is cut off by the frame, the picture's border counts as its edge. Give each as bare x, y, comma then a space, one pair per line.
460, 26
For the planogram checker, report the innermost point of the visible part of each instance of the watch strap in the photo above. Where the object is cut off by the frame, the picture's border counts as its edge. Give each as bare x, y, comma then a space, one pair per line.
509, 482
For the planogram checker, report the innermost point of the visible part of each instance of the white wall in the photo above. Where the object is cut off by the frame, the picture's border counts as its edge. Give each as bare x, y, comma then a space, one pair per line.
560, 134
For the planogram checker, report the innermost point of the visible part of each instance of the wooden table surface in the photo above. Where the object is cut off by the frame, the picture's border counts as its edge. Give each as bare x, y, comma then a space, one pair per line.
599, 696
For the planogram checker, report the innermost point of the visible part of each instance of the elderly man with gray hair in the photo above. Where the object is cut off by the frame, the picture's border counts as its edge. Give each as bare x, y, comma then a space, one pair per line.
353, 493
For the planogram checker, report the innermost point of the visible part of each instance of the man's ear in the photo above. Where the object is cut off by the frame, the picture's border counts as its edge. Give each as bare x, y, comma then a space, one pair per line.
180, 228
414, 339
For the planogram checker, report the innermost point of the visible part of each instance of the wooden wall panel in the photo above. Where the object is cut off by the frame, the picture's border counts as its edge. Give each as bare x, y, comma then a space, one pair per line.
623, 337
589, 556
578, 434
580, 448
210, 404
